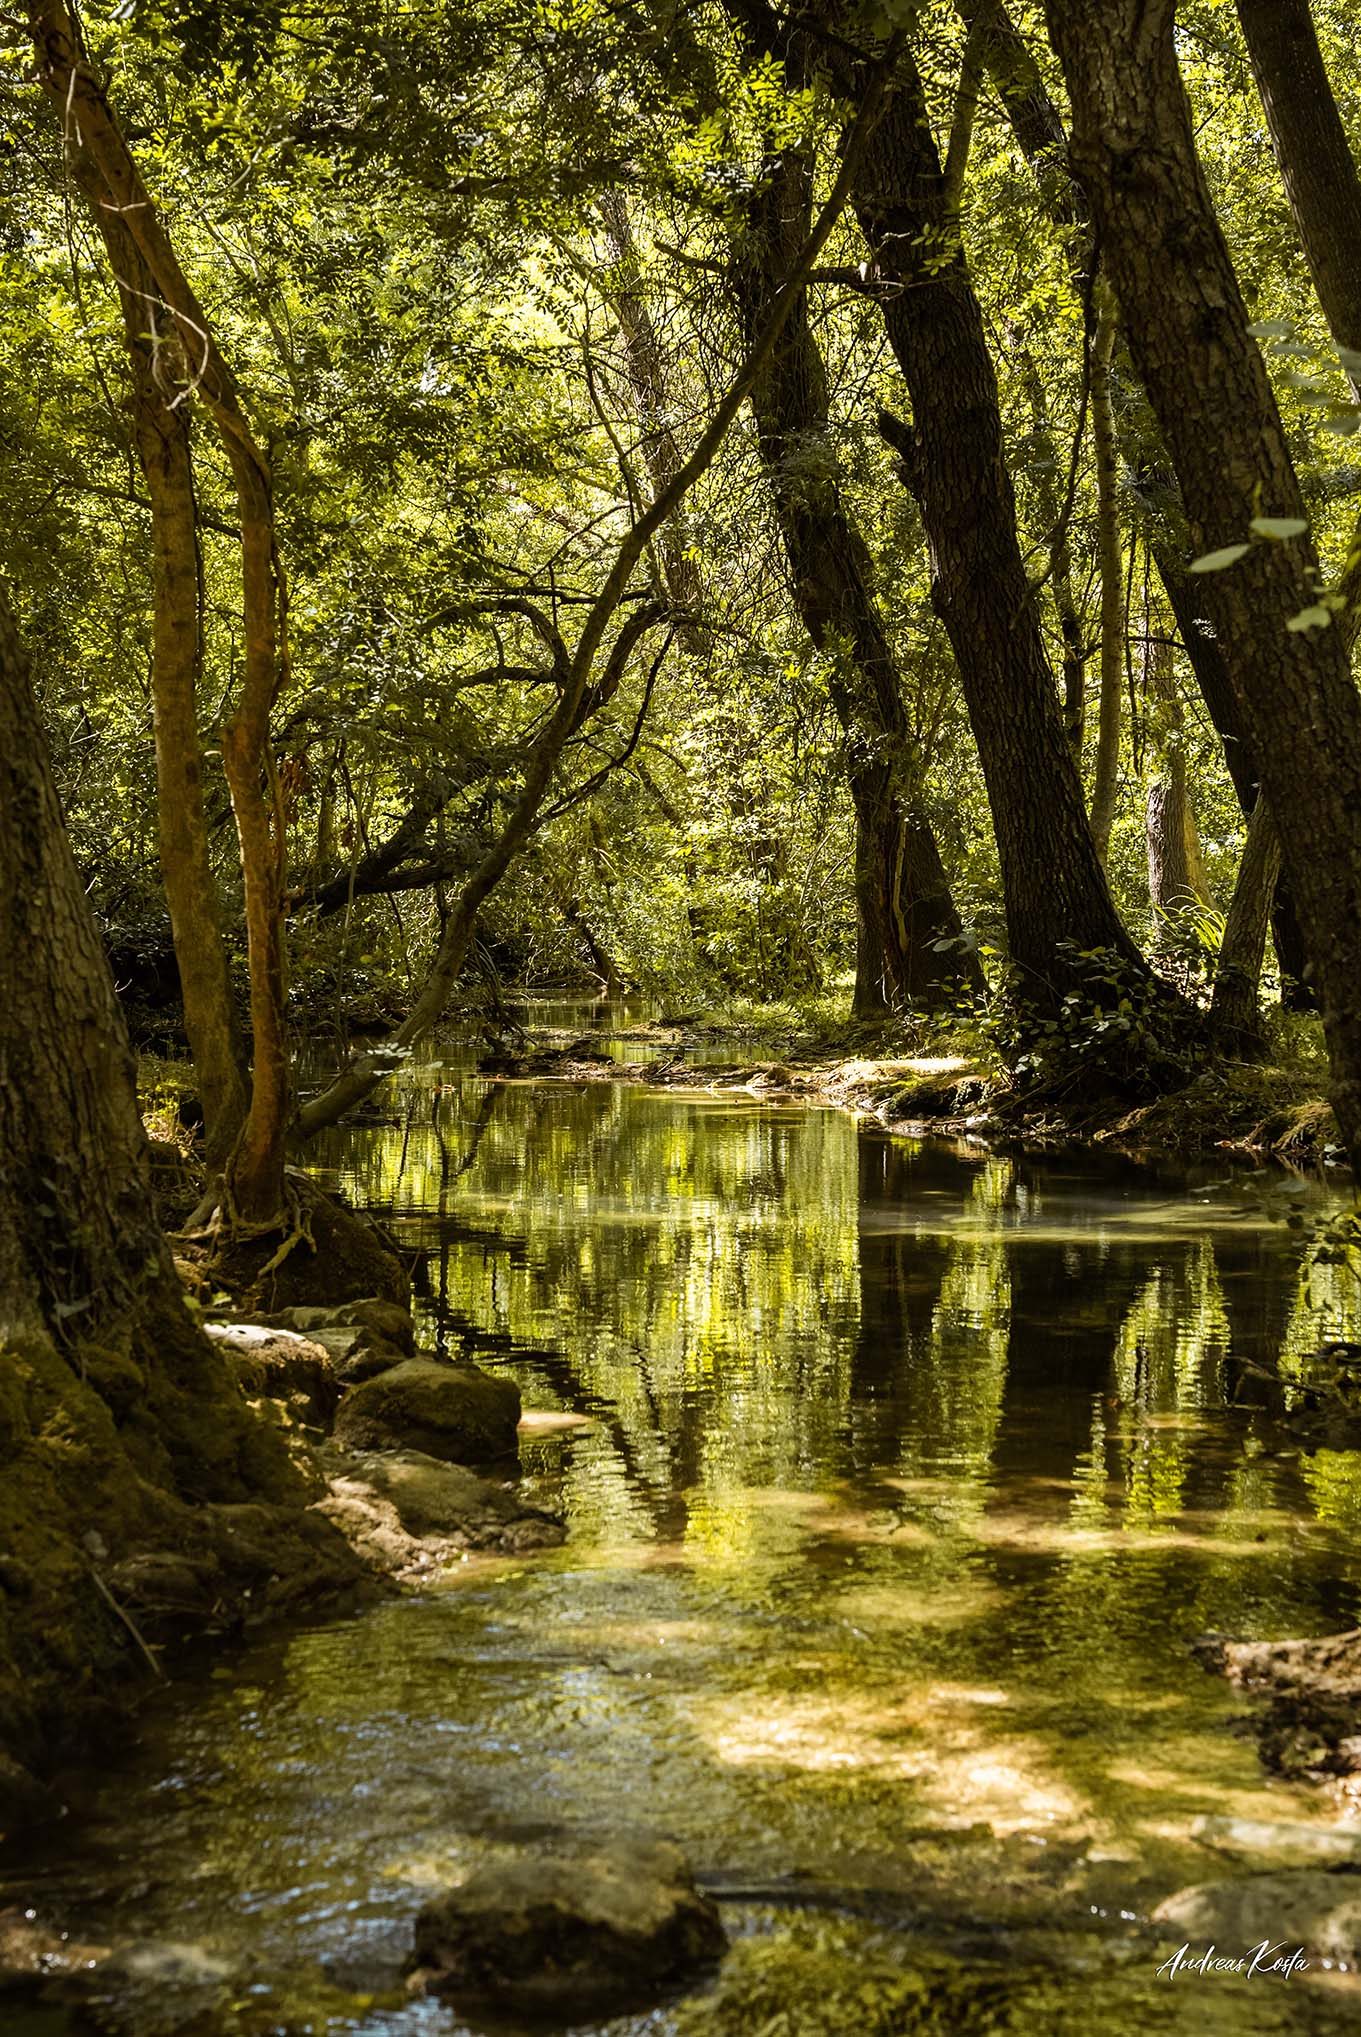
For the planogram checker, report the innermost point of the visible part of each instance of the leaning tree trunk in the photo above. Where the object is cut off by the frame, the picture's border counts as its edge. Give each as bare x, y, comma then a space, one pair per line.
1058, 903
191, 895
1317, 166
193, 360
903, 901
1183, 314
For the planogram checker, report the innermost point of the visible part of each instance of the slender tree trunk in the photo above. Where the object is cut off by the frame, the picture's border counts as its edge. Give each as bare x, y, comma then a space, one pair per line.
1323, 186
903, 900
1187, 327
1317, 166
1235, 1012
163, 450
192, 360
648, 379
1112, 554
1053, 511
1057, 899
1176, 873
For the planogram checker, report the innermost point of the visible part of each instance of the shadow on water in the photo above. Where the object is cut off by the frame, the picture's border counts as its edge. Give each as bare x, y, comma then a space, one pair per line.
910, 1471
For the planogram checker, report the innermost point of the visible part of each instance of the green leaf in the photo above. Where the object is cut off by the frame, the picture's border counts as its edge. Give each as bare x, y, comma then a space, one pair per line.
1215, 562
1279, 526
1314, 617
1272, 328
1344, 423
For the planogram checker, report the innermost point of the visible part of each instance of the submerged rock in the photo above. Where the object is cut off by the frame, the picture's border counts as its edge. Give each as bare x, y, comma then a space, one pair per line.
569, 1935
410, 1514
1312, 1722
1314, 1909
457, 1413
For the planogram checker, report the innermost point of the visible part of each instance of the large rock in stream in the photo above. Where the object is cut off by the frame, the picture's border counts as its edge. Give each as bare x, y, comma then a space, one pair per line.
409, 1515
454, 1412
1317, 1910
569, 1935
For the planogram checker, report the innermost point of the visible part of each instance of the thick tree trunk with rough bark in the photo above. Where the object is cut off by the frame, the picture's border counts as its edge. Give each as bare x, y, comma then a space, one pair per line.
1183, 314
78, 1240
163, 450
903, 900
1057, 899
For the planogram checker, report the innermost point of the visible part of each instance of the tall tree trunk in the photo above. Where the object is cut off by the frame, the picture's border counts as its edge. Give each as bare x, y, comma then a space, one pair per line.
119, 1419
1317, 166
1187, 327
1112, 555
78, 1238
1057, 899
1235, 1011
1042, 139
903, 900
191, 893
648, 379
193, 361
1054, 512
1323, 186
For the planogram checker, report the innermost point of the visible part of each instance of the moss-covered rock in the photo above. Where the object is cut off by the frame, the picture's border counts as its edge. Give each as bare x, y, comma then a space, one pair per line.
457, 1413
578, 1934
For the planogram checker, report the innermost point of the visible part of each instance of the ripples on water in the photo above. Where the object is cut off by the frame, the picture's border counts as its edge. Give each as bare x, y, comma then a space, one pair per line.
910, 1473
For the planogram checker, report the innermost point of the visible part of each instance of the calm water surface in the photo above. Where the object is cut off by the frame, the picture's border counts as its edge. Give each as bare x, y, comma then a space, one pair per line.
907, 1475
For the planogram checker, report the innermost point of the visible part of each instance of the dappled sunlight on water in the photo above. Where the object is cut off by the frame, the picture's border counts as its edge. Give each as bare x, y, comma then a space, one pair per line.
901, 1478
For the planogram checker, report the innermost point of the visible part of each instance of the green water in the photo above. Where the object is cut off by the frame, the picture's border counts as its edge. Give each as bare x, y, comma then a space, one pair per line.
906, 1475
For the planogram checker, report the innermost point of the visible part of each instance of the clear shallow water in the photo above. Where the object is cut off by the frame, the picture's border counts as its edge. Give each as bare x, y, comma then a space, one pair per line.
909, 1473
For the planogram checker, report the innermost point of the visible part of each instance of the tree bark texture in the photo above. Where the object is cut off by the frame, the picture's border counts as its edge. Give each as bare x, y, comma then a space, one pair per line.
1057, 899
193, 359
78, 1238
1183, 314
903, 899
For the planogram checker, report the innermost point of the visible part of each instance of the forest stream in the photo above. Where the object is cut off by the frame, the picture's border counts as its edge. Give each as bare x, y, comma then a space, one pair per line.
901, 1478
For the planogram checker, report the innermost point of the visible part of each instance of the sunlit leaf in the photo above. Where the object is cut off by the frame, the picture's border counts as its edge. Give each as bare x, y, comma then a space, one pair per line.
1279, 526
1215, 562
1314, 617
